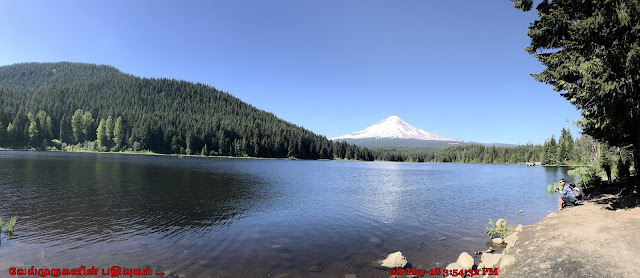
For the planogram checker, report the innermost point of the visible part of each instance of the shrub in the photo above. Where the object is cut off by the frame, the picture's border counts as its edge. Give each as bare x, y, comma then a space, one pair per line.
586, 177
9, 227
500, 229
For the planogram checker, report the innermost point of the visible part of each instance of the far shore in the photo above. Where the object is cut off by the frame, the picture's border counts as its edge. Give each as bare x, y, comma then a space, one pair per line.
253, 157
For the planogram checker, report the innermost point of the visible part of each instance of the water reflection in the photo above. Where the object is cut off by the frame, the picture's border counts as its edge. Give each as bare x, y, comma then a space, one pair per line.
91, 199
387, 188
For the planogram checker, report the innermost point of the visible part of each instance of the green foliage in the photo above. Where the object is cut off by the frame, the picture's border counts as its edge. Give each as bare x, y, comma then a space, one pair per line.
565, 147
118, 134
586, 177
524, 5
551, 188
591, 54
76, 125
102, 133
8, 228
501, 228
33, 133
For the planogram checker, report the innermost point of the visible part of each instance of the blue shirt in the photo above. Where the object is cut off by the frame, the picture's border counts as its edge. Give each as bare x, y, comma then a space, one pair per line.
567, 191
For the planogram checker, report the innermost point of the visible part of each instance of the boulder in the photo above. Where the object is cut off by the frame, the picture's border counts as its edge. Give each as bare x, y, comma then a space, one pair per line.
506, 260
453, 266
520, 211
490, 260
465, 261
394, 260
497, 240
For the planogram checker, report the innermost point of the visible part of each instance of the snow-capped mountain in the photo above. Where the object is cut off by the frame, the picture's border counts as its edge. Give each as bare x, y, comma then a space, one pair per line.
395, 128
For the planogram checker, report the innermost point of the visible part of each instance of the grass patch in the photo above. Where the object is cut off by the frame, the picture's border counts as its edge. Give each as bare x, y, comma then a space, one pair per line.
8, 228
552, 187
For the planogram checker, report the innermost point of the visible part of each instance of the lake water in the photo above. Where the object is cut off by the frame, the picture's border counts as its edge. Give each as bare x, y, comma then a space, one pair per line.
223, 217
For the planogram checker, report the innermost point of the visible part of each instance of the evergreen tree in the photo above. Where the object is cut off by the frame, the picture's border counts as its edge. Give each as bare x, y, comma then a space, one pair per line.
77, 126
109, 125
33, 133
11, 134
565, 147
118, 134
591, 51
102, 134
205, 151
189, 140
87, 126
44, 125
65, 130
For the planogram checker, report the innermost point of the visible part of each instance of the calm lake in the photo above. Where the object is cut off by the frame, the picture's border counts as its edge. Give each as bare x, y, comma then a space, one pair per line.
223, 217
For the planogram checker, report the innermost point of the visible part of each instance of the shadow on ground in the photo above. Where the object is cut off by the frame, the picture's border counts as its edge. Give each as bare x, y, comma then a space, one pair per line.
617, 195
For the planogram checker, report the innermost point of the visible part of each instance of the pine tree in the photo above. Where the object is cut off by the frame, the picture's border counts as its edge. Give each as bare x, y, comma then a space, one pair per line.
205, 151
11, 134
118, 134
87, 126
565, 147
77, 126
33, 133
109, 131
102, 134
591, 51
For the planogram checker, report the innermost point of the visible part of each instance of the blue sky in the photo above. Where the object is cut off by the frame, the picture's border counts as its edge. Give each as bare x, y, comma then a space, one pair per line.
457, 68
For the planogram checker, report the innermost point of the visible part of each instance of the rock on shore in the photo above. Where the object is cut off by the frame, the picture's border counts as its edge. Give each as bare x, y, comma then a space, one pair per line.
465, 261
394, 260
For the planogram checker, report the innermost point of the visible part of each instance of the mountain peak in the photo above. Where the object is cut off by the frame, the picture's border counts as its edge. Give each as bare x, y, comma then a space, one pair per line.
394, 127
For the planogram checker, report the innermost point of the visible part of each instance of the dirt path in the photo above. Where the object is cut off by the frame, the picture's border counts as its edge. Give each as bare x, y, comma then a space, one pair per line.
583, 241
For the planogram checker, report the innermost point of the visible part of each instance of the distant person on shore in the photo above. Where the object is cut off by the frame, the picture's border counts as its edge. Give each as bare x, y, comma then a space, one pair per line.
620, 169
607, 169
626, 174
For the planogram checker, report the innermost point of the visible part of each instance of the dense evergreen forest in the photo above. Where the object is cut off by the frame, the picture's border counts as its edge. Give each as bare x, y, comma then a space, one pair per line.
75, 106
582, 151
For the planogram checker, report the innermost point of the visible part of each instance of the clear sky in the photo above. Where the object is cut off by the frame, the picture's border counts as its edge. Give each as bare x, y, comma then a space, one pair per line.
457, 68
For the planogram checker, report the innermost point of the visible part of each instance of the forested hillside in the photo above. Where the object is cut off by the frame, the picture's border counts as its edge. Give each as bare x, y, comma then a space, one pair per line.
75, 106
97, 107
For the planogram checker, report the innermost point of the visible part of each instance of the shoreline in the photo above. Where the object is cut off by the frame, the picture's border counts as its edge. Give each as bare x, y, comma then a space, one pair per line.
253, 157
588, 240
594, 239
